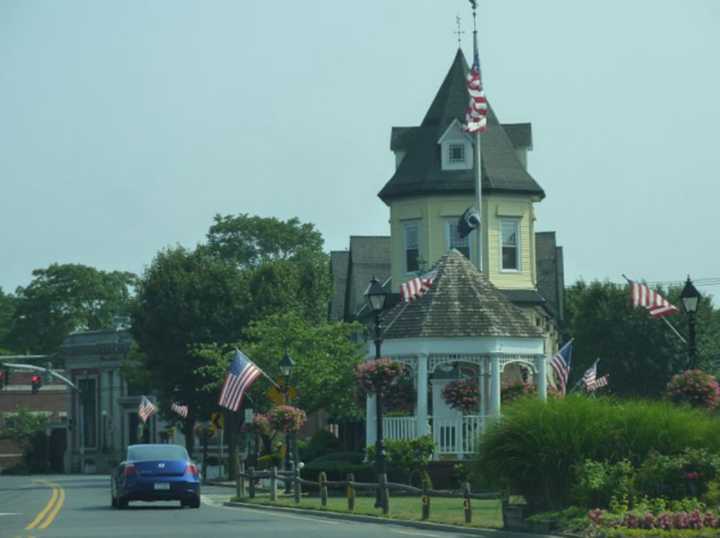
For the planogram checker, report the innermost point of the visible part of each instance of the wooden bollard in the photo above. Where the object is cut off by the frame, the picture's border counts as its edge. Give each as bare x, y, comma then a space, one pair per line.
251, 482
425, 503
351, 492
467, 504
273, 483
384, 494
297, 490
323, 488
240, 479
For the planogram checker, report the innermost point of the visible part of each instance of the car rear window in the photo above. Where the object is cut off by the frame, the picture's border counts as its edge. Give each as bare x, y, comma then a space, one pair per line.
157, 452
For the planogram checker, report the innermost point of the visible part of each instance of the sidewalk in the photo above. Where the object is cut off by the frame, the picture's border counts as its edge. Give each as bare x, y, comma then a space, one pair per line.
490, 533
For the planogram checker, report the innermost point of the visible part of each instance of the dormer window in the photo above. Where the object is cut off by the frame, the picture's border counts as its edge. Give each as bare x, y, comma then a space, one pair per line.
455, 148
456, 153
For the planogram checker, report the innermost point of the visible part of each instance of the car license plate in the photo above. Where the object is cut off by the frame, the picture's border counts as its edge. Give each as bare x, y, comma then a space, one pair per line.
162, 485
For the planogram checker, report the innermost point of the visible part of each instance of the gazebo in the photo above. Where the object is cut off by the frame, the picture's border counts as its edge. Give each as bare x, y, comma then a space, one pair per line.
462, 326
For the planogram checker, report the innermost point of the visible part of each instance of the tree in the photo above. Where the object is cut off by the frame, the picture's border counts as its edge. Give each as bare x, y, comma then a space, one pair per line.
640, 353
7, 312
185, 298
64, 298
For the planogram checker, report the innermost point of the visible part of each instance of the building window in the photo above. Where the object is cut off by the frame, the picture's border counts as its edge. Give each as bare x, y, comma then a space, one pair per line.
456, 153
510, 244
412, 247
454, 241
88, 393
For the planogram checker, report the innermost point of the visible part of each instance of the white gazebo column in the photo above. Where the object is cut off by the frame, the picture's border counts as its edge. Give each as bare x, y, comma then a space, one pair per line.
421, 407
482, 367
370, 416
495, 386
541, 369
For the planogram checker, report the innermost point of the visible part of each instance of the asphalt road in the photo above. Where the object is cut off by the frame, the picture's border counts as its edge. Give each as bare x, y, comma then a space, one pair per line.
79, 506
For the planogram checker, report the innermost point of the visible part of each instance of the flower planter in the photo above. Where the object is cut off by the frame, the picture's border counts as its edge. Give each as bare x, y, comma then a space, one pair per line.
514, 517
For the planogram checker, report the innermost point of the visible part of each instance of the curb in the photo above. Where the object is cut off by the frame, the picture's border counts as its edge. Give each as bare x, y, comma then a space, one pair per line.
477, 531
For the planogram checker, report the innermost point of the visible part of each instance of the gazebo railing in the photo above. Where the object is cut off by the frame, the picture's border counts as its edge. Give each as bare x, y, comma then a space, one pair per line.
400, 427
451, 435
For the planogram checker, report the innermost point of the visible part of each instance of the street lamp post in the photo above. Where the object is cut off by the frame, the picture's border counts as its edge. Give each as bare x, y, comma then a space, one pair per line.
690, 298
286, 366
376, 297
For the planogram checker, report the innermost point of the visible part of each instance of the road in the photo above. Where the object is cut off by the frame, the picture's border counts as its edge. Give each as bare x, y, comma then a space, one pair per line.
78, 506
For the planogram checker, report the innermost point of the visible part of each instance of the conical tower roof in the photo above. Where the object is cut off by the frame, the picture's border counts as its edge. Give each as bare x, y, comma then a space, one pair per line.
462, 302
420, 171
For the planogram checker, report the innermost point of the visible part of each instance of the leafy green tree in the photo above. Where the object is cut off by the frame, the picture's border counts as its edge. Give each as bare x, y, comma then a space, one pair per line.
7, 312
640, 353
64, 298
185, 298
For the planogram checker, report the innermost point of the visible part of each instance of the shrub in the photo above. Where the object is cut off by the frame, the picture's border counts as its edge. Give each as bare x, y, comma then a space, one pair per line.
534, 448
694, 387
410, 456
463, 395
518, 390
322, 442
596, 483
678, 476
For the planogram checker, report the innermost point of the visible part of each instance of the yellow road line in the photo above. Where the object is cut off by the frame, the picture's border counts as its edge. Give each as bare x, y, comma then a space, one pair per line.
55, 511
44, 511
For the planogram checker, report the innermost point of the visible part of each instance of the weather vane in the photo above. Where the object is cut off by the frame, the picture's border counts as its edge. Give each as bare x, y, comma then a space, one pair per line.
459, 30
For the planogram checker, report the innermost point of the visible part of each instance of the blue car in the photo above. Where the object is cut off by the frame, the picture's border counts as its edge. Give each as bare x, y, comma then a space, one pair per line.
156, 473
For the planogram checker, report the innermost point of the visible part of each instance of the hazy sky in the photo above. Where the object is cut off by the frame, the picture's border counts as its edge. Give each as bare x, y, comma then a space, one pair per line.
125, 126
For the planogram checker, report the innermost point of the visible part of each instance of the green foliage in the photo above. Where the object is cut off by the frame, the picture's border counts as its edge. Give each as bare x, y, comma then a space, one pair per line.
64, 298
572, 519
596, 483
322, 443
337, 466
534, 449
640, 353
410, 456
678, 476
22, 426
7, 313
696, 388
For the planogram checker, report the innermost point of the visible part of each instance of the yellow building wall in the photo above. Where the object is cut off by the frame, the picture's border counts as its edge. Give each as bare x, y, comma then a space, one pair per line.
432, 213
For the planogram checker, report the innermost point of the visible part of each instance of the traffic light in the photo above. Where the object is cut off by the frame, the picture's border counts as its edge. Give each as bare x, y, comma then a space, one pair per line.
36, 382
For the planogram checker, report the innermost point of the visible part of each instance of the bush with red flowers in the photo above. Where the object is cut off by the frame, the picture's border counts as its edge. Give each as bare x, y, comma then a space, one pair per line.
463, 395
520, 389
260, 424
378, 375
286, 418
694, 387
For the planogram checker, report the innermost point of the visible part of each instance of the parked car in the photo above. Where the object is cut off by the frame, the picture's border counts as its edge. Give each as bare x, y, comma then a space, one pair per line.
157, 472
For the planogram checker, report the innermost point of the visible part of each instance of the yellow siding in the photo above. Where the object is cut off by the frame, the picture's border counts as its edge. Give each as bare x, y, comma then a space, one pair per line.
433, 212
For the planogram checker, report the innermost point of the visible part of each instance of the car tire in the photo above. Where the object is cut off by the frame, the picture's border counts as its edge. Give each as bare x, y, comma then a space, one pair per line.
122, 503
195, 503
113, 502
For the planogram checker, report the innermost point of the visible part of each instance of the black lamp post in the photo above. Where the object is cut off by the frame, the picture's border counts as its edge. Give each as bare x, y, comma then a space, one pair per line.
286, 367
376, 297
690, 298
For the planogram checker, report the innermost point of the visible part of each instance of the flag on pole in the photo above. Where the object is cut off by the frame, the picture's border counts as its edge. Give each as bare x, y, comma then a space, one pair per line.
590, 374
598, 383
146, 409
242, 373
181, 410
469, 221
476, 112
560, 364
417, 287
651, 300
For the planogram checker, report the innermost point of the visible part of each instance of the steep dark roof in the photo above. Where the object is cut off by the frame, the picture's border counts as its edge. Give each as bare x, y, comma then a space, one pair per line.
462, 302
420, 171
520, 134
550, 274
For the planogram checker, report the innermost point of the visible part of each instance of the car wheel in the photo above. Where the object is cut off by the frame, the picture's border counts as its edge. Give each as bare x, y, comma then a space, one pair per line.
113, 502
122, 503
194, 503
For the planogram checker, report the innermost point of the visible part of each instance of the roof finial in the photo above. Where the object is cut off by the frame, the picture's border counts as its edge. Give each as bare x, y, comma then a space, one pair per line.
459, 30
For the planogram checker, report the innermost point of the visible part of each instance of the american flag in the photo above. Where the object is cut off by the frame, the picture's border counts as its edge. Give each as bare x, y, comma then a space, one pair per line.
599, 382
240, 376
476, 112
417, 287
146, 409
655, 303
590, 374
181, 410
560, 364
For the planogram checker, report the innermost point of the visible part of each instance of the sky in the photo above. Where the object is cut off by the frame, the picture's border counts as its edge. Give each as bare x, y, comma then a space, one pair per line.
126, 126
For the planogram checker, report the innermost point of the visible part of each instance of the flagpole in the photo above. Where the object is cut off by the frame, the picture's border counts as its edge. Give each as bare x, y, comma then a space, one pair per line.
478, 158
672, 327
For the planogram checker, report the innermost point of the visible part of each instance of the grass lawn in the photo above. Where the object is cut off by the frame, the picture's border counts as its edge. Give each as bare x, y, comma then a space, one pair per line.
486, 513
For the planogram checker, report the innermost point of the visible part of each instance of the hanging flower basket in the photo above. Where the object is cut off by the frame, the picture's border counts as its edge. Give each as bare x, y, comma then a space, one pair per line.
260, 424
520, 389
463, 395
286, 418
378, 375
696, 388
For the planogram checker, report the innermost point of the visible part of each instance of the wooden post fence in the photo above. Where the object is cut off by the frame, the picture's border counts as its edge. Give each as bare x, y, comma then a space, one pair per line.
273, 483
323, 488
351, 492
384, 494
297, 491
240, 479
425, 502
467, 503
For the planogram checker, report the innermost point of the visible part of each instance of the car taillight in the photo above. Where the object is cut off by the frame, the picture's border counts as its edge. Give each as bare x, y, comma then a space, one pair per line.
130, 470
192, 469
